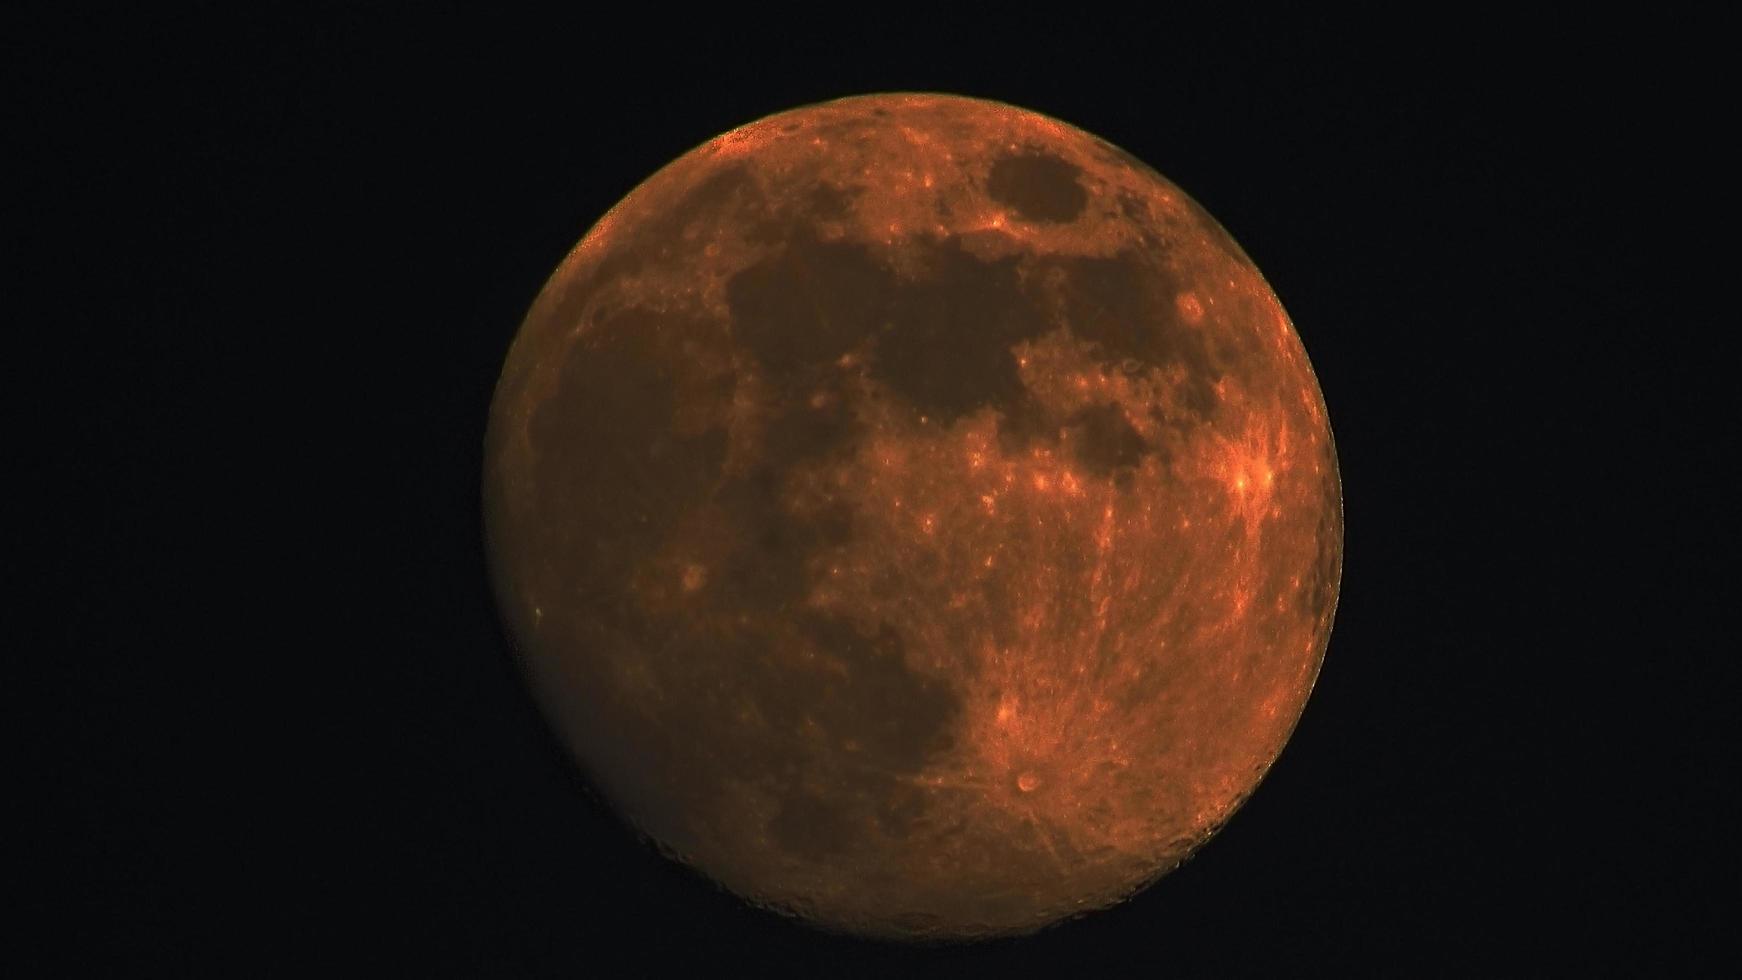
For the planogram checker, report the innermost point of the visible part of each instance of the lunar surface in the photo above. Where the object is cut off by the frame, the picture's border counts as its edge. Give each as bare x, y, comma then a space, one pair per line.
915, 514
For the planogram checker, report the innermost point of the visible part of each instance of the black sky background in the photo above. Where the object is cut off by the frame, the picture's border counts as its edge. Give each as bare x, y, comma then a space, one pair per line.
271, 266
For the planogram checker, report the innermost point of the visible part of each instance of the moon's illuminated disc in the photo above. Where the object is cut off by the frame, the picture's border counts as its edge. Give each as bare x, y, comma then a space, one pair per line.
916, 514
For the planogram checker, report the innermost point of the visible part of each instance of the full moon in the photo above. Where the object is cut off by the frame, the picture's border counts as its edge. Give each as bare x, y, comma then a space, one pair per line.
915, 514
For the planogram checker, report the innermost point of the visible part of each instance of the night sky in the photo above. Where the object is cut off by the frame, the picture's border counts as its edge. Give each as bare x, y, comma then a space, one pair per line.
271, 267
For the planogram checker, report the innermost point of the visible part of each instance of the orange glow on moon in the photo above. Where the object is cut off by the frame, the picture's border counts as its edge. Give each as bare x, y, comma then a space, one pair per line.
916, 514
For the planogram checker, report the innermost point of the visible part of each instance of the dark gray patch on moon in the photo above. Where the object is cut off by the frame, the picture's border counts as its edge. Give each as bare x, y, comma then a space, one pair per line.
810, 422
601, 525
829, 202
1105, 442
945, 342
769, 548
1125, 308
811, 826
941, 342
807, 304
1038, 186
897, 719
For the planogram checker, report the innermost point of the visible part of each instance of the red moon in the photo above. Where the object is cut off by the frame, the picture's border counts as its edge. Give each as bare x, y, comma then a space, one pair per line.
915, 514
